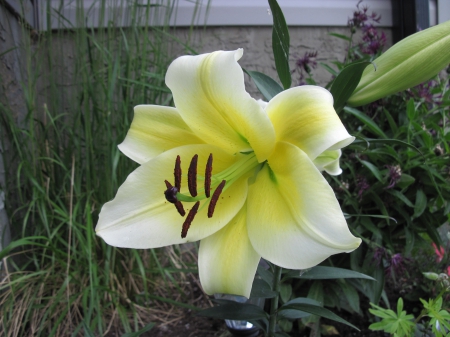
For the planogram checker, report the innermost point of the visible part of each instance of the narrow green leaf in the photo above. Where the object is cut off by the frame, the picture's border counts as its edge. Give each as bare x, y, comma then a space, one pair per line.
421, 203
391, 121
346, 82
399, 195
326, 273
348, 216
372, 169
370, 124
329, 69
280, 44
340, 36
316, 310
30, 240
146, 328
411, 109
386, 141
265, 84
234, 311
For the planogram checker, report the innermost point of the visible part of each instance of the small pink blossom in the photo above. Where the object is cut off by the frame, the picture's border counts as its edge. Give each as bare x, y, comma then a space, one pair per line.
440, 252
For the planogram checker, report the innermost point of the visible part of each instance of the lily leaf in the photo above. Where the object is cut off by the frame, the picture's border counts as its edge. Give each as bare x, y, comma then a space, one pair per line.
265, 84
280, 44
261, 288
316, 310
326, 273
345, 83
234, 311
294, 313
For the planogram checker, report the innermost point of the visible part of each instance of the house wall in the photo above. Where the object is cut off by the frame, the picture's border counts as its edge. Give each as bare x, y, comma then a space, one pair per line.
257, 44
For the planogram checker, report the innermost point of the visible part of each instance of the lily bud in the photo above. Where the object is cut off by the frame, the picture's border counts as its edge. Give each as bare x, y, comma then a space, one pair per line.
431, 276
409, 62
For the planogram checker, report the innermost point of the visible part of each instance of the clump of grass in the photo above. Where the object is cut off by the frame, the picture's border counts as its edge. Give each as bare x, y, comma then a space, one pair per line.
59, 279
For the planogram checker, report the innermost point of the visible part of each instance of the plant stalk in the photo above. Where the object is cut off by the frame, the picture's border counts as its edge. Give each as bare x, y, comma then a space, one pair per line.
274, 302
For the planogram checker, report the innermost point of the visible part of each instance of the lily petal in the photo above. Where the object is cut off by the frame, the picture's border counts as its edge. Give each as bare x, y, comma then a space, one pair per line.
328, 161
301, 224
304, 116
141, 217
210, 95
227, 261
155, 129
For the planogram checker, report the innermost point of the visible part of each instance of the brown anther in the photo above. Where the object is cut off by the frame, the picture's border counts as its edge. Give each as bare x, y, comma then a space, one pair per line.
177, 173
214, 198
192, 176
187, 223
180, 208
208, 173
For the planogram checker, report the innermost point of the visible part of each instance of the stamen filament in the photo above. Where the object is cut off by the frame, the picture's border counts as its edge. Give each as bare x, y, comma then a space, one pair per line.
192, 176
208, 173
215, 198
187, 223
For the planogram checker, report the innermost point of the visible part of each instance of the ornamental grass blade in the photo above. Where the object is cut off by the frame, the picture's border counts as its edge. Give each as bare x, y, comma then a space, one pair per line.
265, 84
345, 83
280, 44
316, 310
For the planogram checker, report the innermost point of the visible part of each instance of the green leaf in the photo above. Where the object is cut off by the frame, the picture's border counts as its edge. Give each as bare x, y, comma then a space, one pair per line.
265, 84
281, 334
146, 328
262, 289
280, 44
405, 180
266, 275
295, 314
30, 240
234, 311
370, 124
421, 203
340, 36
351, 295
402, 197
316, 310
326, 273
345, 83
372, 169
285, 292
386, 141
411, 109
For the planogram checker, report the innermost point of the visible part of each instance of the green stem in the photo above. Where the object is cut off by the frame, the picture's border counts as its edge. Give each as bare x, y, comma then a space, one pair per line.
274, 302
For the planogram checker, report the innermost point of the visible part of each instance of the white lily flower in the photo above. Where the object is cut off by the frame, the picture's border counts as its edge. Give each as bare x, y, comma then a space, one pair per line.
258, 191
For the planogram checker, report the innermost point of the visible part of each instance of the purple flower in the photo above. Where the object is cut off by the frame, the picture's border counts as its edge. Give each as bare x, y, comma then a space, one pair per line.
395, 173
379, 254
305, 64
361, 186
396, 265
